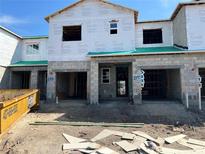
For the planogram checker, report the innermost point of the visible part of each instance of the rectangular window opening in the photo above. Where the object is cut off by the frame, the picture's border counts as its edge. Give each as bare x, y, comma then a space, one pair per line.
105, 76
72, 33
113, 28
32, 49
152, 36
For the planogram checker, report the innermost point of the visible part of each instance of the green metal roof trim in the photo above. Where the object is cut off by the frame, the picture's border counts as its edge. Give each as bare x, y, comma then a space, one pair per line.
148, 50
29, 63
35, 37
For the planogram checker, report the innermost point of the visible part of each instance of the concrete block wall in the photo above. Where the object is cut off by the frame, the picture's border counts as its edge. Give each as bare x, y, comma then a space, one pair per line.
55, 67
34, 79
187, 64
94, 82
136, 85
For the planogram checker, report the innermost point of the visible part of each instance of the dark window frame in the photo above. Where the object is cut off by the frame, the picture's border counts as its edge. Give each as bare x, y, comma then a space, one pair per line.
113, 28
152, 36
105, 75
72, 33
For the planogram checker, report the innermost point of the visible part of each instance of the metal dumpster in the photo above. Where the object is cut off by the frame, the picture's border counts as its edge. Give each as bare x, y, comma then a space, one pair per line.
14, 104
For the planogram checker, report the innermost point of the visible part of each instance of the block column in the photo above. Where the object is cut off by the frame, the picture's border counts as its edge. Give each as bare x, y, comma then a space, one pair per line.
51, 86
190, 86
136, 84
34, 79
94, 83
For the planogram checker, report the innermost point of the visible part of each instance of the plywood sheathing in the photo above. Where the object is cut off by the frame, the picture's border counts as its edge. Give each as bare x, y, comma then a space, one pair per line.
175, 138
80, 1
72, 139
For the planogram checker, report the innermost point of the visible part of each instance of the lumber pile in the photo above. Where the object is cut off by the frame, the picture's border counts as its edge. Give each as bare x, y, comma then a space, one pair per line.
136, 141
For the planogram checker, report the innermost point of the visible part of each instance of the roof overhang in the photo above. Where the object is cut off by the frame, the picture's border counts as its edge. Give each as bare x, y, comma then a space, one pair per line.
180, 5
139, 51
80, 1
29, 64
10, 32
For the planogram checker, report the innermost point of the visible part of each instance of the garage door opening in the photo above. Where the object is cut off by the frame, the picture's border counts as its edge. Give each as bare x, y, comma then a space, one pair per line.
202, 74
71, 85
21, 80
164, 84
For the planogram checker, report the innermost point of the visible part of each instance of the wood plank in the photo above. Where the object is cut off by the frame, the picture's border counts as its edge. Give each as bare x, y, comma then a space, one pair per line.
147, 150
87, 151
196, 142
131, 125
126, 146
144, 135
192, 146
76, 146
175, 151
72, 139
175, 138
105, 150
139, 138
128, 136
103, 134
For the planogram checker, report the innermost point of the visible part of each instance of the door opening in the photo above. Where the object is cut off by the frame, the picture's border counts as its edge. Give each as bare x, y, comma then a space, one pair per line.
122, 81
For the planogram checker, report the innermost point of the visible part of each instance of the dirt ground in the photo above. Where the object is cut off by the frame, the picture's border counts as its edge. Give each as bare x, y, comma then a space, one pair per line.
23, 138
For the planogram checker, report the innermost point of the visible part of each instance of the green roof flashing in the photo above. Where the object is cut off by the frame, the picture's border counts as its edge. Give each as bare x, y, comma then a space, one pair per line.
35, 37
148, 50
29, 63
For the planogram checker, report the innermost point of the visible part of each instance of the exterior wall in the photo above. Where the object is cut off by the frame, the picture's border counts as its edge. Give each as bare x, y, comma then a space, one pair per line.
186, 64
174, 84
94, 17
4, 78
54, 67
10, 46
33, 77
179, 29
195, 27
188, 72
109, 91
167, 33
41, 55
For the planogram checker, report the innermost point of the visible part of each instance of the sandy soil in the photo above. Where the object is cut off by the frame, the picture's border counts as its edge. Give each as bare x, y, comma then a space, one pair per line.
23, 138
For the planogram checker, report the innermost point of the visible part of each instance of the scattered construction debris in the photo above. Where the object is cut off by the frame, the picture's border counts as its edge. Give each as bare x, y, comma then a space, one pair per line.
136, 141
130, 125
173, 139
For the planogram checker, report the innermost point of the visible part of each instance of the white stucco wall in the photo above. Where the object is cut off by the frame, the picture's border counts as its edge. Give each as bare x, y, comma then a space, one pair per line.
196, 27
179, 28
9, 48
43, 50
167, 33
94, 16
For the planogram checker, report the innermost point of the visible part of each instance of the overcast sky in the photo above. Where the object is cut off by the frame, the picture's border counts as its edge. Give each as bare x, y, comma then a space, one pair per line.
26, 17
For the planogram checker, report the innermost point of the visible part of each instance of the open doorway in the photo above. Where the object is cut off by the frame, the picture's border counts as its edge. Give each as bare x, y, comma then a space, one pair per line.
21, 79
122, 81
71, 85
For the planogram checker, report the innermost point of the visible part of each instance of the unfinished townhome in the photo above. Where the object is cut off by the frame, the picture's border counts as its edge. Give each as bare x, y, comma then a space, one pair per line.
99, 52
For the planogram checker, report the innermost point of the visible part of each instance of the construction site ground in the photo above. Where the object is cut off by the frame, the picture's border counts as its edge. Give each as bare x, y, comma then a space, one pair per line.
159, 117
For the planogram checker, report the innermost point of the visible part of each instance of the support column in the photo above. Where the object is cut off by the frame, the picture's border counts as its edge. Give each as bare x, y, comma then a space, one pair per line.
136, 84
51, 87
94, 83
34, 79
190, 86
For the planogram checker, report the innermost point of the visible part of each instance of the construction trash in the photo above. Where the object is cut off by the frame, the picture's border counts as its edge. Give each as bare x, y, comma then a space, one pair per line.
136, 141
